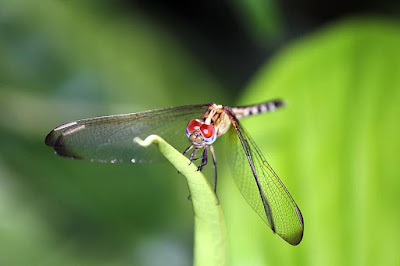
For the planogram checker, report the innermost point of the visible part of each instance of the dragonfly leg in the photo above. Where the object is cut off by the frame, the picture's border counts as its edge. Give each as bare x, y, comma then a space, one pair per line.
188, 149
198, 158
204, 159
215, 170
192, 155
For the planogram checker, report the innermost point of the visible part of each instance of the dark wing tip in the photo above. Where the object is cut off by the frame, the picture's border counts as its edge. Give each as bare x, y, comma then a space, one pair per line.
299, 215
55, 139
296, 240
64, 150
51, 138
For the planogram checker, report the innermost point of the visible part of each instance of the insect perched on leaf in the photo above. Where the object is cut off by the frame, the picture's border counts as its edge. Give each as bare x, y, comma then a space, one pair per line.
110, 139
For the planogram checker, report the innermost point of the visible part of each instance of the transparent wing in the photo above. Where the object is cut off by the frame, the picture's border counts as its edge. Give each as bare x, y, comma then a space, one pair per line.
262, 188
110, 138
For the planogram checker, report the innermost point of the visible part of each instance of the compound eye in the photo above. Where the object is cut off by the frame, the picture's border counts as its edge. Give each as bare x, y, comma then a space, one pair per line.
208, 131
193, 125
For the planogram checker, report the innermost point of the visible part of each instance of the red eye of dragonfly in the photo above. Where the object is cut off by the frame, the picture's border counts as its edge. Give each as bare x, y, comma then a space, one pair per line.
207, 130
193, 125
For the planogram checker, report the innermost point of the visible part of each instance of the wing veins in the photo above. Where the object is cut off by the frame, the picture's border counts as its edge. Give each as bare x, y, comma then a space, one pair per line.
290, 230
109, 133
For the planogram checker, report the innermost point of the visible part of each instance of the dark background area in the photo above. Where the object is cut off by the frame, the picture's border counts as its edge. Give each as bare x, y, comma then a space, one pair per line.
216, 32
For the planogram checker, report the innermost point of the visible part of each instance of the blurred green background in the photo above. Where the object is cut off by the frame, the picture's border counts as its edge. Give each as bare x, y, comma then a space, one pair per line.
336, 145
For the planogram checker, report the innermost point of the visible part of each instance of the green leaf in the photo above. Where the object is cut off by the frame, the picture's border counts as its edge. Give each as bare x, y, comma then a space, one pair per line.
209, 234
335, 146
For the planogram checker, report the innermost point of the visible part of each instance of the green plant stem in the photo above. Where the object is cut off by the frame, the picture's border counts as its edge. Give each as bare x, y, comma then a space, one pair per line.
209, 228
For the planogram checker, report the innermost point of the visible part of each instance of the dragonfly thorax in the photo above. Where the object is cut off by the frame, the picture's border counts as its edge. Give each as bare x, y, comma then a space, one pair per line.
200, 133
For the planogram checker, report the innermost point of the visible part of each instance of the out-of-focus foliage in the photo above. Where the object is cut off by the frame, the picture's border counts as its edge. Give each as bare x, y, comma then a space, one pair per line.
335, 145
63, 61
262, 18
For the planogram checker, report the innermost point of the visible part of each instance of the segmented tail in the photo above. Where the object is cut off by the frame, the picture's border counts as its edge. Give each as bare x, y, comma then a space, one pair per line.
244, 111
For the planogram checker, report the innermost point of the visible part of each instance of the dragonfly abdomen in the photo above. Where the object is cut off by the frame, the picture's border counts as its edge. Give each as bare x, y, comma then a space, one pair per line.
244, 111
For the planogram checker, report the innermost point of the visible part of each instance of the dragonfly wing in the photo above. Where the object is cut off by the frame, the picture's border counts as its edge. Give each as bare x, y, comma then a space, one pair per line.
262, 188
110, 138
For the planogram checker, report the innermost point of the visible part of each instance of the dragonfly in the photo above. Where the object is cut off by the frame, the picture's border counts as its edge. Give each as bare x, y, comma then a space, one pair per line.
111, 139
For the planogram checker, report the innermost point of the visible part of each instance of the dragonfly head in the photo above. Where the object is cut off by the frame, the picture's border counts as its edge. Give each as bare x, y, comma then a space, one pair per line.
200, 134
197, 139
